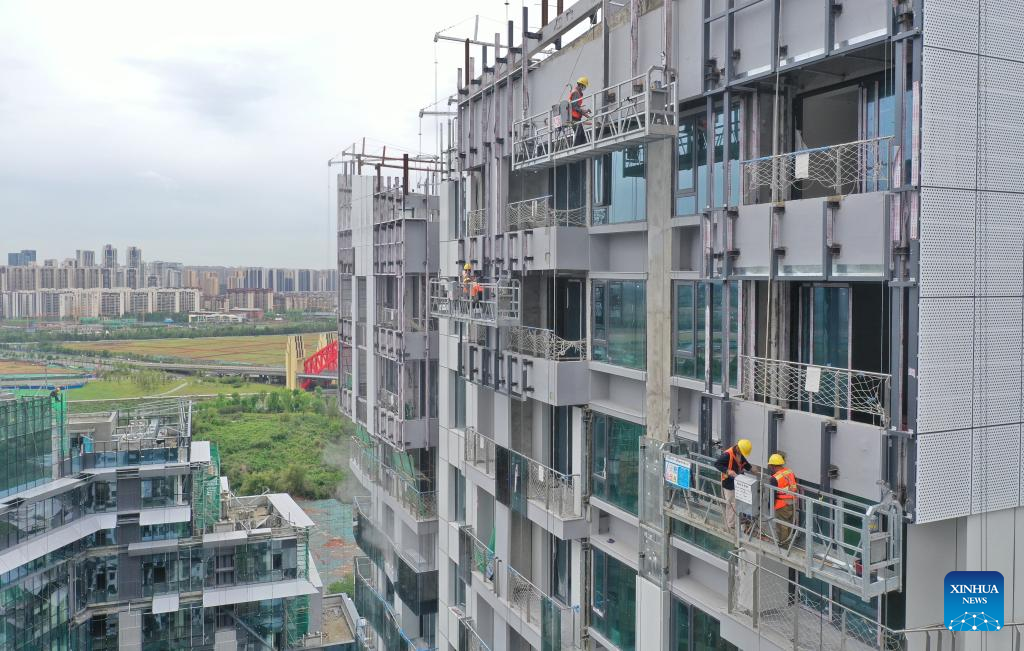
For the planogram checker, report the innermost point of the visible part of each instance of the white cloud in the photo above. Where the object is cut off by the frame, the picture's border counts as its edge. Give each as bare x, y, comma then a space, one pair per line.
201, 130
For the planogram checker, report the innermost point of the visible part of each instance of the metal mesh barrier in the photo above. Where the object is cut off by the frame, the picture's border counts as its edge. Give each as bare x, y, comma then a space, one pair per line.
539, 342
839, 391
479, 451
538, 213
800, 617
556, 491
476, 222
851, 167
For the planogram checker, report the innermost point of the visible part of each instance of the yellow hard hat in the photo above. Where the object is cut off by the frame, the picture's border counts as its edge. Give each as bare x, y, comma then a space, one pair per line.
776, 460
744, 446
467, 266
583, 81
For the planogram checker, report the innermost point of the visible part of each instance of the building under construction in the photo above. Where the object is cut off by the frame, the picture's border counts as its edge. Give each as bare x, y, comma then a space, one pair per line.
789, 221
117, 531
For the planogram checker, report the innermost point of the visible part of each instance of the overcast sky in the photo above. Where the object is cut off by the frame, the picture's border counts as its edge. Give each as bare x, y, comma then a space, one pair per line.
201, 130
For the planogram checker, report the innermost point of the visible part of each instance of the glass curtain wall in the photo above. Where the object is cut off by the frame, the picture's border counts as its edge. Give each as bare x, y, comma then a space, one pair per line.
614, 601
616, 459
689, 315
619, 328
620, 187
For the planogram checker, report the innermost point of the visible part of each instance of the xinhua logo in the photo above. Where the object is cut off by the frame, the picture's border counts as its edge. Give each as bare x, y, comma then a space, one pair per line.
974, 601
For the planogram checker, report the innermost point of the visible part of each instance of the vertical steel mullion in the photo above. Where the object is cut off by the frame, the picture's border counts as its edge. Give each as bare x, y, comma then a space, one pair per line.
776, 8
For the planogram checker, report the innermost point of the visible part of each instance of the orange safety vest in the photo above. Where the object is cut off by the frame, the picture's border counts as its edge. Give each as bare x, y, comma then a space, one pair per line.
787, 481
576, 103
476, 290
734, 460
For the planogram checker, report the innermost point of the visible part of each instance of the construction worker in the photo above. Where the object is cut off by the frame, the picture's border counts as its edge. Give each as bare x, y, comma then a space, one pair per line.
783, 479
576, 109
476, 292
731, 463
467, 279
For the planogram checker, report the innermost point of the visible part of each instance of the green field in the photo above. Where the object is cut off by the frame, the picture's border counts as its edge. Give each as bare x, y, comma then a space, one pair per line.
184, 386
267, 350
275, 442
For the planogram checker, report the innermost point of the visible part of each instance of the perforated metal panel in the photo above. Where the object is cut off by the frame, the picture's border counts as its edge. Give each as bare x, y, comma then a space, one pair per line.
945, 364
949, 121
940, 490
1000, 244
947, 242
995, 449
997, 361
951, 24
1001, 138
1003, 22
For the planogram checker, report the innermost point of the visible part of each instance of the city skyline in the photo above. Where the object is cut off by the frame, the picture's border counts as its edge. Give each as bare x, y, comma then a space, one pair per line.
121, 251
208, 135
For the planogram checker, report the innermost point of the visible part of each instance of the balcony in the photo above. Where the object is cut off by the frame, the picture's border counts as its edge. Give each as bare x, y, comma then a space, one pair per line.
538, 364
556, 492
833, 171
469, 639
842, 393
839, 540
420, 505
794, 616
378, 613
546, 618
635, 111
538, 213
479, 451
387, 317
498, 305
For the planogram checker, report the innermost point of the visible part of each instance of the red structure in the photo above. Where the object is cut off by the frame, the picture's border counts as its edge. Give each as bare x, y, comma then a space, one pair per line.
325, 359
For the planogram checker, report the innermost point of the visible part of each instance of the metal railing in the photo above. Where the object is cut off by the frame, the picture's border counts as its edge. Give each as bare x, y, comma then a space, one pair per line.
839, 391
469, 639
556, 491
801, 617
422, 505
529, 601
496, 304
483, 561
634, 110
476, 222
387, 317
479, 451
389, 401
538, 213
383, 614
848, 168
540, 342
843, 541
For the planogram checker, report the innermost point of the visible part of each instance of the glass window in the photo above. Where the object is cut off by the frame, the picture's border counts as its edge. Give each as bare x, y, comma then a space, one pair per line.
619, 330
695, 630
734, 157
700, 538
614, 601
460, 401
616, 460
620, 186
686, 166
561, 551
684, 354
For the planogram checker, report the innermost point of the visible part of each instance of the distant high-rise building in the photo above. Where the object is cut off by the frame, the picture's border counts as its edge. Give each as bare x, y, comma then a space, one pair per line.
109, 256
85, 258
133, 260
21, 258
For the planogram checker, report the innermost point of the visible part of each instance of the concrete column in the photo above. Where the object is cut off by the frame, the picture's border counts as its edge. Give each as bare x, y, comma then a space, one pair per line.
659, 288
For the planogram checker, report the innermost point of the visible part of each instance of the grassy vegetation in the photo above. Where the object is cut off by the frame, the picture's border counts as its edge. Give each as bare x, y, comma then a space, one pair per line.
291, 325
346, 585
265, 350
275, 441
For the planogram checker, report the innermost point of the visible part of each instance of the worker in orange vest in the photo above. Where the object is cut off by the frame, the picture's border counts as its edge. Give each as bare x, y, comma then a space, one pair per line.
730, 463
476, 292
783, 479
576, 109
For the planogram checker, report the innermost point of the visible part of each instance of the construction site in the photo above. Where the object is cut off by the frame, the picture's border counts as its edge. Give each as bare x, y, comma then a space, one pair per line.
701, 329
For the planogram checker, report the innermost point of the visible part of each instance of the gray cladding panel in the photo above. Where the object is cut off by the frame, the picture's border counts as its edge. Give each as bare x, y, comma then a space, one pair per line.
870, 19
1001, 136
1003, 23
802, 28
753, 239
949, 129
945, 364
802, 234
997, 361
860, 227
940, 492
951, 24
947, 242
1000, 244
753, 40
992, 487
